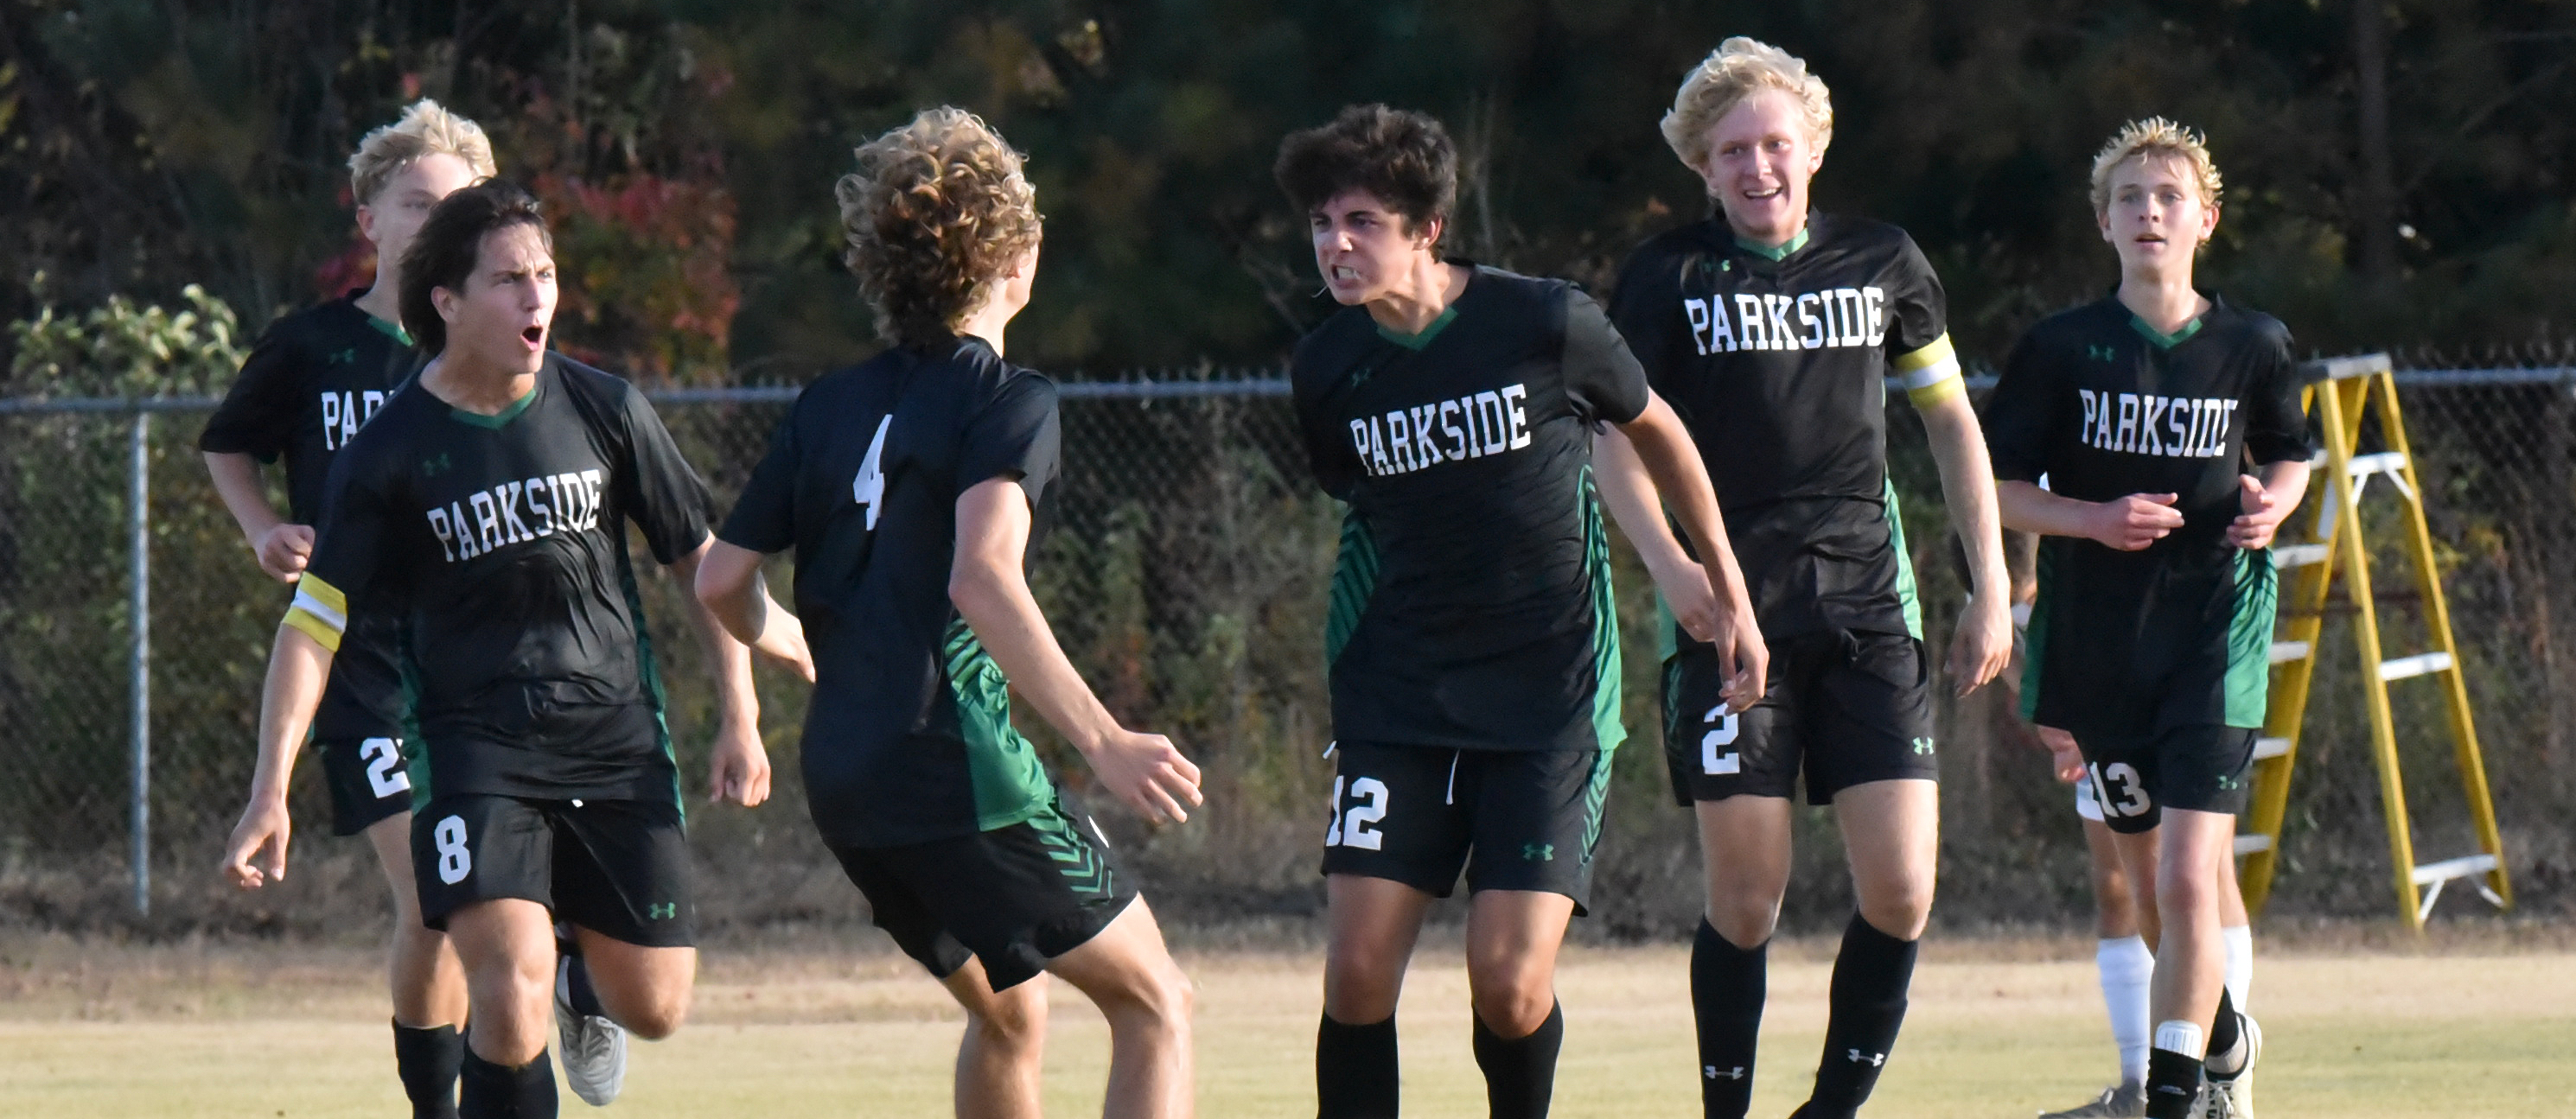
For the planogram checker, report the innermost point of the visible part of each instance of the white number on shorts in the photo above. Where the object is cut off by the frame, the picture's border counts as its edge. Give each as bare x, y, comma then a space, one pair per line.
2119, 789
1351, 828
454, 861
1721, 733
384, 766
869, 489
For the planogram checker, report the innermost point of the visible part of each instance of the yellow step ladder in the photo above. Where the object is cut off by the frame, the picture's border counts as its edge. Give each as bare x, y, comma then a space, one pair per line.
2343, 390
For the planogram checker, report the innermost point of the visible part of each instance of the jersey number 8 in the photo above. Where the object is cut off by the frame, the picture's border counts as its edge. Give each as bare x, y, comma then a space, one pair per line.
454, 861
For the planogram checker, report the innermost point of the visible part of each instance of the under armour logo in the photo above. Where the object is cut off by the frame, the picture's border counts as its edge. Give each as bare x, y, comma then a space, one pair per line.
432, 467
2226, 782
344, 357
662, 910
2101, 353
1713, 1072
1922, 745
1871, 1059
1538, 852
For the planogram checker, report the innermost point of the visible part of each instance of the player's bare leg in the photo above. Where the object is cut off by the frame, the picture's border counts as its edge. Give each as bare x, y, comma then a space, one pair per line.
1373, 925
646, 990
1512, 942
1001, 1056
1128, 972
428, 983
507, 946
2183, 857
1744, 854
1891, 835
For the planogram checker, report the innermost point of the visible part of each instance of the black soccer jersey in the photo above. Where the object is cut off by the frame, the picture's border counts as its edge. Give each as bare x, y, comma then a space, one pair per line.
1777, 360
500, 541
311, 381
2102, 406
908, 737
1471, 604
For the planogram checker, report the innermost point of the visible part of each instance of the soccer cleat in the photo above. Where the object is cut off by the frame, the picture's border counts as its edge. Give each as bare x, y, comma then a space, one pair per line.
2230, 1095
2128, 1101
594, 1048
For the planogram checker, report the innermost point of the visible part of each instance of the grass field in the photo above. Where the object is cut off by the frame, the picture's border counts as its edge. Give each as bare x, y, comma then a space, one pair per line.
1998, 1029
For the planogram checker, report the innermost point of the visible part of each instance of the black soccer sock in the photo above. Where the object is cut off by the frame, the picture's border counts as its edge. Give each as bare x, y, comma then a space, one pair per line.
1355, 1070
1728, 985
1871, 975
427, 1060
585, 998
490, 1091
2225, 1031
1520, 1073
2173, 1082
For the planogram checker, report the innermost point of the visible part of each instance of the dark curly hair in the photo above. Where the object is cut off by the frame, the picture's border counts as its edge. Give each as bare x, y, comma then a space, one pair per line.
1404, 158
936, 212
443, 253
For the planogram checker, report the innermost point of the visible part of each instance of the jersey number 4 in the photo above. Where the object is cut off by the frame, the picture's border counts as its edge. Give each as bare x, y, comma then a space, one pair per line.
869, 488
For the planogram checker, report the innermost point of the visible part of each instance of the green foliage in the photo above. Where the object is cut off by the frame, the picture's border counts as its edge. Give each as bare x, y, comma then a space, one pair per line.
122, 349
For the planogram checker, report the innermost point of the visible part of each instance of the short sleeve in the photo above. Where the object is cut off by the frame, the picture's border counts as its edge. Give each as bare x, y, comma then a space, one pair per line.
348, 551
764, 517
1918, 331
1641, 310
1329, 450
2276, 428
659, 491
260, 410
1017, 433
1602, 379
2018, 415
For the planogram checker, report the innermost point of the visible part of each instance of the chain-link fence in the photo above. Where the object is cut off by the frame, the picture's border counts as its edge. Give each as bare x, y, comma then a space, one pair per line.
1185, 573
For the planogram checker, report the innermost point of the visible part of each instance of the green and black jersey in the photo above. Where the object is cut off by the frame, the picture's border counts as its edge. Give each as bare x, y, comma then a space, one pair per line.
1777, 359
1471, 604
2097, 405
500, 543
908, 737
313, 379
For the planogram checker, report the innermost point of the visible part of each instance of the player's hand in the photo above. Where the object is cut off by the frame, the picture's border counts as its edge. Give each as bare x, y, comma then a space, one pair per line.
256, 855
783, 637
1149, 773
2133, 522
1686, 593
2264, 512
2065, 757
284, 550
1743, 657
738, 771
1983, 644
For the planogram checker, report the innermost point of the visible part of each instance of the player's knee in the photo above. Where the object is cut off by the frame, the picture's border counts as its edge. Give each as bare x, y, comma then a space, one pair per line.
1162, 999
1516, 1009
658, 1018
1357, 993
1014, 1018
1745, 922
1902, 910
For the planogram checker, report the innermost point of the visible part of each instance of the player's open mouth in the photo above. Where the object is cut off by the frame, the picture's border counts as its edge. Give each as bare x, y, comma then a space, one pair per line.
1764, 195
535, 336
1345, 274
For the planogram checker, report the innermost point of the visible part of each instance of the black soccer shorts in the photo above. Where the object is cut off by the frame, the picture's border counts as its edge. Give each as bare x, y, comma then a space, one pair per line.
617, 867
1512, 819
2198, 768
1843, 707
1014, 897
370, 780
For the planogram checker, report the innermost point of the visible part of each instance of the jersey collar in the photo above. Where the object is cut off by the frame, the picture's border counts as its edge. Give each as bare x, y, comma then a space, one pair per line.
501, 419
2162, 340
1775, 253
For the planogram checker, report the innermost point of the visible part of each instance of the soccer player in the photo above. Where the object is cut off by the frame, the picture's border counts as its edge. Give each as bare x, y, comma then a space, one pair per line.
908, 486
1773, 330
2168, 426
486, 508
1473, 645
312, 380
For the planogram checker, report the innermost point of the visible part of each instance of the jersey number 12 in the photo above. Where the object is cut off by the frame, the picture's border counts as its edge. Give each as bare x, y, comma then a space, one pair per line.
869, 489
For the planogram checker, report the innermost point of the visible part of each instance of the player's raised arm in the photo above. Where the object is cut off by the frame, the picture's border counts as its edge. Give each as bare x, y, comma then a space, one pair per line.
992, 593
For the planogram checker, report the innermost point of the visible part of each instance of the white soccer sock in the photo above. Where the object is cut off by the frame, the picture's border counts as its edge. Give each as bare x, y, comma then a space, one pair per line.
2126, 967
2240, 963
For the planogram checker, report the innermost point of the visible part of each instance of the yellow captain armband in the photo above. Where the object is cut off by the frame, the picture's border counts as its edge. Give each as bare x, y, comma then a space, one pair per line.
320, 610
1931, 374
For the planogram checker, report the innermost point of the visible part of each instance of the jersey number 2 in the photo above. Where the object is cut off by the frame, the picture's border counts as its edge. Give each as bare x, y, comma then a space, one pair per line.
384, 767
1722, 727
869, 489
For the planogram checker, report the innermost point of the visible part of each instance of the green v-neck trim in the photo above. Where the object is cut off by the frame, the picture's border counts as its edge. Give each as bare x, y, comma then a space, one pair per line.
1416, 342
1774, 253
391, 330
498, 420
2162, 339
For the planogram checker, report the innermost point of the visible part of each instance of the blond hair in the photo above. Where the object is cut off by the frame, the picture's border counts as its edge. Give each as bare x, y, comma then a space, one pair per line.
936, 212
1737, 69
426, 129
2155, 137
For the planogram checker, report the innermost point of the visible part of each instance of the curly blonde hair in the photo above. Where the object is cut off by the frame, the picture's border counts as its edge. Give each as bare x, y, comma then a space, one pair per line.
2159, 138
936, 212
426, 129
1737, 69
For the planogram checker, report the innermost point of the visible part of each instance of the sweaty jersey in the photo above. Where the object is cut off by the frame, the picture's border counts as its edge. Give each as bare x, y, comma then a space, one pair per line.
500, 542
1777, 359
1471, 604
908, 737
312, 380
2100, 406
